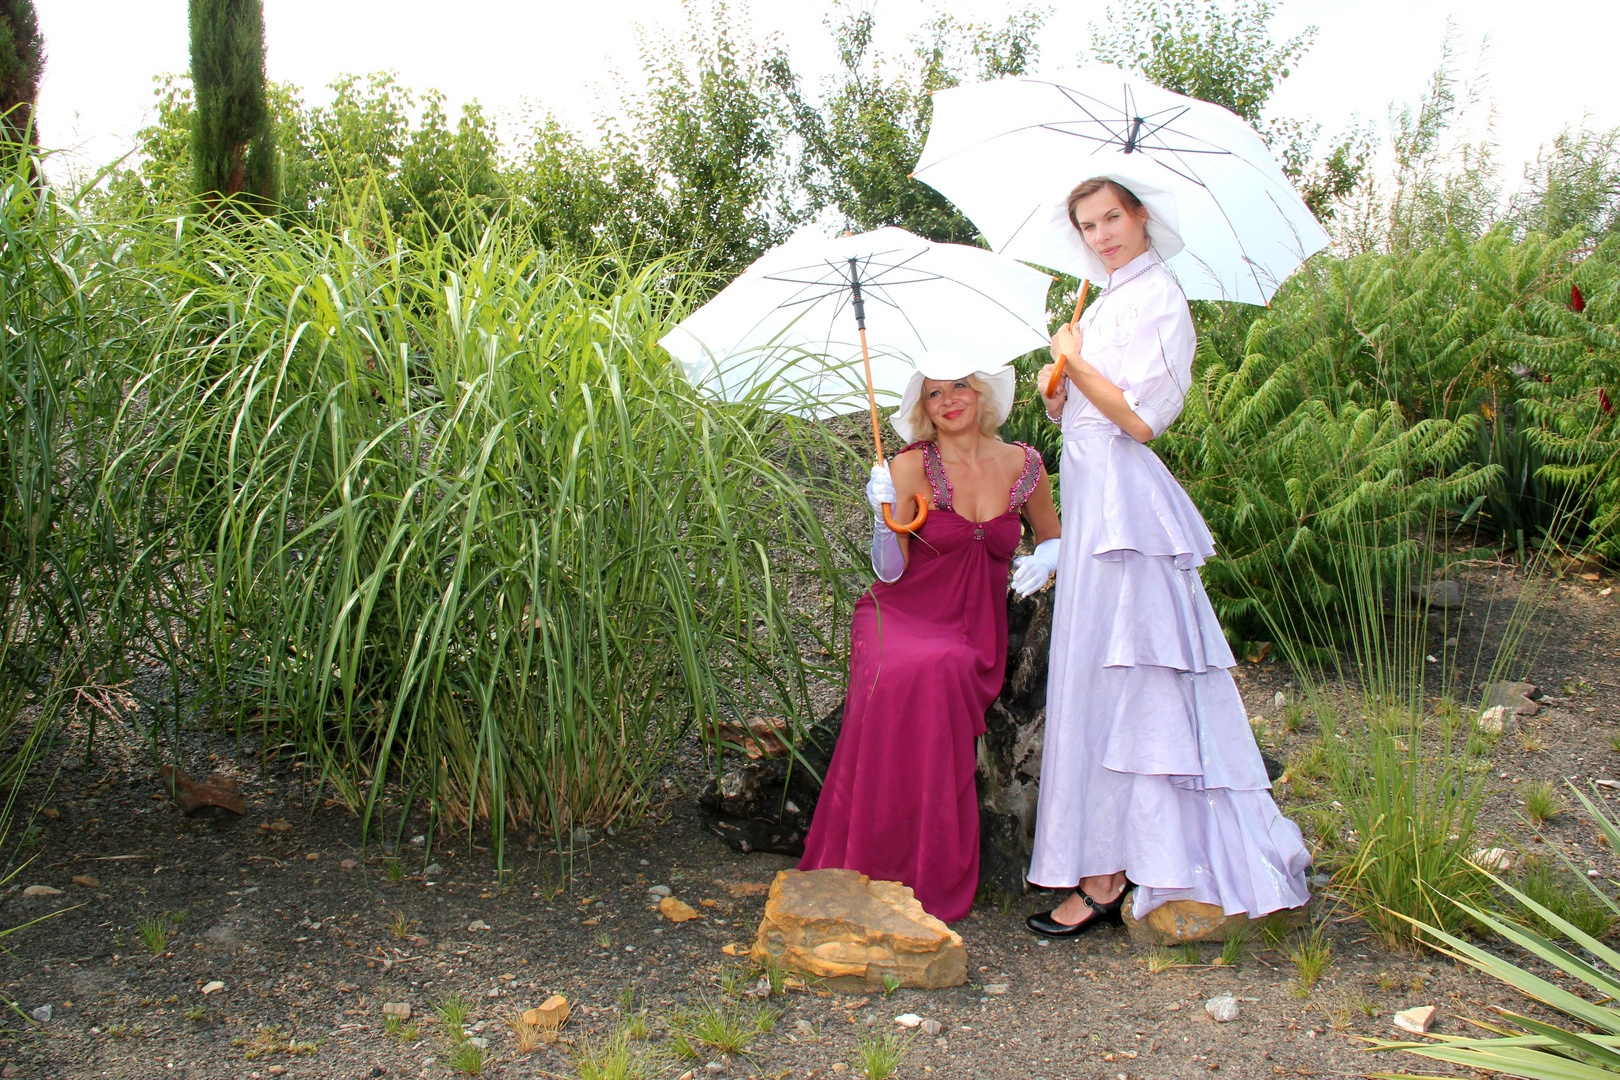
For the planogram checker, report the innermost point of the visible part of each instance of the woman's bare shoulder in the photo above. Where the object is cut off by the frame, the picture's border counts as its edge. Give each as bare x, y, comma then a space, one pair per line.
907, 463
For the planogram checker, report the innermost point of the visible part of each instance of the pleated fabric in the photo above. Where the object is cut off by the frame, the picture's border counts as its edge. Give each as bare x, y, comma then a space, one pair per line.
1149, 765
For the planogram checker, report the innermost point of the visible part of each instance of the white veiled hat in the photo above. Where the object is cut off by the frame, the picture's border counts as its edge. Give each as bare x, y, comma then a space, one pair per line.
997, 401
1163, 224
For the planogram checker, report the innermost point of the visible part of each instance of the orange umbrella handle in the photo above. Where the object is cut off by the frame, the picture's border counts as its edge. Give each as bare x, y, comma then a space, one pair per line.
916, 522
1055, 380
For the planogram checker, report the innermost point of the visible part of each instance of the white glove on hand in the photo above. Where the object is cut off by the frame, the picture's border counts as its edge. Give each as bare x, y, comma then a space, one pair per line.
1031, 571
880, 490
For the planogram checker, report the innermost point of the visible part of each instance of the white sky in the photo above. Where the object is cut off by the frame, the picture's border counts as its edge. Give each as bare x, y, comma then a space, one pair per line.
1544, 67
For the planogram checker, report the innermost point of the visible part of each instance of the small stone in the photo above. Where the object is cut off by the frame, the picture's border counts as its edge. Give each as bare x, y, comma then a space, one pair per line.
1279, 700
551, 1014
932, 1027
805, 1028
1418, 1021
277, 1070
278, 825
476, 925
1494, 859
479, 1041
908, 1020
1223, 1007
213, 987
1319, 881
51, 812
995, 988
433, 870
399, 1009
494, 992
580, 836
1445, 595
1612, 785
661, 891
87, 881
42, 1014
312, 856
677, 911
1498, 720
41, 890
714, 1067
1593, 874
10, 1070
347, 864
839, 1066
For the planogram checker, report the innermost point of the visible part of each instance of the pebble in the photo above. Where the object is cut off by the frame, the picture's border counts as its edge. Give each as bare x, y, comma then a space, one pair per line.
995, 988
213, 987
1223, 1007
42, 1014
908, 1020
1610, 784
714, 1067
347, 864
660, 891
805, 1028
41, 890
1318, 881
932, 1027
433, 870
477, 925
580, 835
401, 1009
479, 1041
87, 881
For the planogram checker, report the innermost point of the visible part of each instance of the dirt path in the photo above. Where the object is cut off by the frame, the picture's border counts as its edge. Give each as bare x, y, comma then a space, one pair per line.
296, 923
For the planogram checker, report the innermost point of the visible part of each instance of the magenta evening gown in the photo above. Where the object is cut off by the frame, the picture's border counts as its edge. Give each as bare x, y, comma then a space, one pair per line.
926, 659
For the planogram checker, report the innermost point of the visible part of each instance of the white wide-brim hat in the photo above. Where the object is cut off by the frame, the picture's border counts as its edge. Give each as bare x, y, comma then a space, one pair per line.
996, 401
1163, 224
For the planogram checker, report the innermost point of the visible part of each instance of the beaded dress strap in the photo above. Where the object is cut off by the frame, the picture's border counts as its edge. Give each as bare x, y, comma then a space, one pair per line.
934, 467
1028, 480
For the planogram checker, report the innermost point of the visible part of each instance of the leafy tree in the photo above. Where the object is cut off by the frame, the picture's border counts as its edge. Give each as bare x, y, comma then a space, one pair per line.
1573, 184
22, 60
233, 146
697, 158
864, 135
1232, 60
560, 188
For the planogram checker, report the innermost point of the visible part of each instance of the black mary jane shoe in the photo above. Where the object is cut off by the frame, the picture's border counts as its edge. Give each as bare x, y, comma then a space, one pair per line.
1108, 914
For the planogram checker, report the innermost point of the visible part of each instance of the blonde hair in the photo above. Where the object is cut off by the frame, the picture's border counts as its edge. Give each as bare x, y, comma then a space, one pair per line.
922, 425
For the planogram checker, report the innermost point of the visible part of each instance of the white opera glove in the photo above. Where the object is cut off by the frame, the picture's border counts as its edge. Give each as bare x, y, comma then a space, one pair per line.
1031, 571
888, 561
880, 490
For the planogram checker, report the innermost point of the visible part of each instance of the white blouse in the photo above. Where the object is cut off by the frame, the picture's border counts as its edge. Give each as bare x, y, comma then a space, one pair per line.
1139, 334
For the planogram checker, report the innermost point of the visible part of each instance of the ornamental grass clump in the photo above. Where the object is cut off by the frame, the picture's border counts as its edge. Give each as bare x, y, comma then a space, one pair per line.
451, 518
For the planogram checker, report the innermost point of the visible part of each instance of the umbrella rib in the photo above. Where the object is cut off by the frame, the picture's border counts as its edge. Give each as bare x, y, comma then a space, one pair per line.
1236, 236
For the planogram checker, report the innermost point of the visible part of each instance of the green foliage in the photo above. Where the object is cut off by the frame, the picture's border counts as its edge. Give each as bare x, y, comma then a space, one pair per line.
878, 1055
22, 62
1574, 184
1538, 1050
695, 159
233, 144
728, 1026
1563, 892
864, 135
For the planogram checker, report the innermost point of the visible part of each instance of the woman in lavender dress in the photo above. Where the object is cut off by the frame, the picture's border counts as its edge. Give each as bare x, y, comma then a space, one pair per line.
1149, 772
928, 644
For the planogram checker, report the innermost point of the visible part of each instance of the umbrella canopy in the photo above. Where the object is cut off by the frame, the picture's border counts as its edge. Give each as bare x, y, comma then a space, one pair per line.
1223, 216
785, 333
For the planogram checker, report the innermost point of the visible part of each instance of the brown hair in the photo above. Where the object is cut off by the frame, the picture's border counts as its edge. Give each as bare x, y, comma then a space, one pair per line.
1087, 188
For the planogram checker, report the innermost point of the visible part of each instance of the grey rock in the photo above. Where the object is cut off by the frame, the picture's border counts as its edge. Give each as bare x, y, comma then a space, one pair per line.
660, 891
580, 835
1224, 1008
477, 925
805, 1029
932, 1026
42, 1014
1446, 595
479, 1041
433, 870
1520, 697
1317, 881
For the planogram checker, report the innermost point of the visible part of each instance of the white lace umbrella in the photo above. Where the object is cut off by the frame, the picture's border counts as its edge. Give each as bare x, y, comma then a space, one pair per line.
1008, 152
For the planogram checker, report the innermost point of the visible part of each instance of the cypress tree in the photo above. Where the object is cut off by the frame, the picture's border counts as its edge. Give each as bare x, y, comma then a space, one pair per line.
233, 145
22, 60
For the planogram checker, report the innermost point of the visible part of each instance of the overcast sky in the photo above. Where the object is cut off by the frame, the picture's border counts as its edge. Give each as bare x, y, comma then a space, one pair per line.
1543, 66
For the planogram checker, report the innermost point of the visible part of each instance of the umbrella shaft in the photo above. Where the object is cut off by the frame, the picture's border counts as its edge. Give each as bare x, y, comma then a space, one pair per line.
871, 398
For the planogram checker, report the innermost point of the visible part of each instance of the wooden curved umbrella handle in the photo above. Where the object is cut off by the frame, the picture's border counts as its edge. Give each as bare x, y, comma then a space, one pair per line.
1055, 380
915, 523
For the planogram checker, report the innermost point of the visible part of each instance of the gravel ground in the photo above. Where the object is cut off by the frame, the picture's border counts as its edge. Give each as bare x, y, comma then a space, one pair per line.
309, 935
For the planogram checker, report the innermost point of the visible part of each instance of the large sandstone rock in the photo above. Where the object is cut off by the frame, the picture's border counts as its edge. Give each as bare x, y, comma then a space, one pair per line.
1180, 921
850, 931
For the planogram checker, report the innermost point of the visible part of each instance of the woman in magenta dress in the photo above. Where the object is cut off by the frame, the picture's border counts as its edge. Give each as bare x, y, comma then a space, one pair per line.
928, 644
